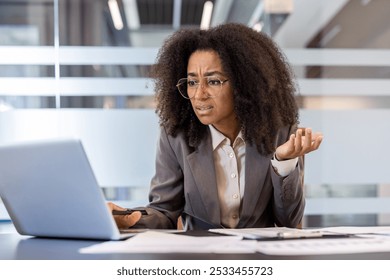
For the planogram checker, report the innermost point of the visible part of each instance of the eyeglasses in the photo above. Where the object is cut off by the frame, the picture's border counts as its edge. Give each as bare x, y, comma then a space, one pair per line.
188, 86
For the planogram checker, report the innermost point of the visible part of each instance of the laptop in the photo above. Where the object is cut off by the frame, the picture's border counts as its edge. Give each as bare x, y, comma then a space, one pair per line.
49, 190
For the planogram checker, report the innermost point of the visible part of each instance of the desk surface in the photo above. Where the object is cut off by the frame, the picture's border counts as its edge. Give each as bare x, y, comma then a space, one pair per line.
16, 247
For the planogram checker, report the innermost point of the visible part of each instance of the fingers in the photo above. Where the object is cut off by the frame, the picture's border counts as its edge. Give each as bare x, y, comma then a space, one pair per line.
124, 221
302, 142
132, 219
298, 142
291, 143
113, 206
306, 141
286, 150
309, 142
317, 141
127, 221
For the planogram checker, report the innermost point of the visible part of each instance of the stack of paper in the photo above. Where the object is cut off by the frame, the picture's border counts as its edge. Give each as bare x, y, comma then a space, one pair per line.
357, 240
161, 242
270, 232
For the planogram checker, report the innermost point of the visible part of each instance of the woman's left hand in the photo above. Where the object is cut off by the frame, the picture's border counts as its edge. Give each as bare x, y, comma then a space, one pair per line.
299, 144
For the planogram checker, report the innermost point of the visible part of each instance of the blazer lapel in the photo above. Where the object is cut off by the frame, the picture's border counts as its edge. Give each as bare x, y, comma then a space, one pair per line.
202, 167
256, 167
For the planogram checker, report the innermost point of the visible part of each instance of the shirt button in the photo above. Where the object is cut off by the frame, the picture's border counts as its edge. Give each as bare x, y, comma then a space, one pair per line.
235, 196
234, 216
231, 155
233, 175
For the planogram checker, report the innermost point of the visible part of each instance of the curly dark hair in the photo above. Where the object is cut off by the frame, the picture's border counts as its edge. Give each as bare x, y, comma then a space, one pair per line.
262, 81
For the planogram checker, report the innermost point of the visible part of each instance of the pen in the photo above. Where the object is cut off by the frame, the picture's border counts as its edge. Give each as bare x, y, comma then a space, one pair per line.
128, 212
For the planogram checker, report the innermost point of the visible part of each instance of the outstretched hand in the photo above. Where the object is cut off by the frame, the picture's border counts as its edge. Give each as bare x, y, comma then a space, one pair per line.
124, 221
299, 144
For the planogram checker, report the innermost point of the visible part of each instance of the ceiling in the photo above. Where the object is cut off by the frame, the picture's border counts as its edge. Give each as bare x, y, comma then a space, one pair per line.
178, 13
292, 23
150, 21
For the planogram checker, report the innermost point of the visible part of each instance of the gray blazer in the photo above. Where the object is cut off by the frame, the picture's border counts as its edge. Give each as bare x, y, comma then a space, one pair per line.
184, 185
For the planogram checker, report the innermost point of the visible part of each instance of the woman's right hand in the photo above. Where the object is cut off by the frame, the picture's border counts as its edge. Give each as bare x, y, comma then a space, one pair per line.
124, 221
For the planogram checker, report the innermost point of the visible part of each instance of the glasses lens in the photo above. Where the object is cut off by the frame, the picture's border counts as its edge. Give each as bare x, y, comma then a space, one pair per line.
182, 87
214, 85
210, 85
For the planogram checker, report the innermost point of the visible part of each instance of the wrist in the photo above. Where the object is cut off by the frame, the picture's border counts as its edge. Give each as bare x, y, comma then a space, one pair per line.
277, 158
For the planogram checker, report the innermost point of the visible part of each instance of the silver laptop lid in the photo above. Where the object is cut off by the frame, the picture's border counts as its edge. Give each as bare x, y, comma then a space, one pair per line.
49, 190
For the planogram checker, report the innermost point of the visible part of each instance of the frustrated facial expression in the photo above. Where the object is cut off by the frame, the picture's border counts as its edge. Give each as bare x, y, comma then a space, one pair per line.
211, 108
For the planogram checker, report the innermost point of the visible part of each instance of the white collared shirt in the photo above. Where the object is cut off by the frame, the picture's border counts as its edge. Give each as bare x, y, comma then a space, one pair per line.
229, 163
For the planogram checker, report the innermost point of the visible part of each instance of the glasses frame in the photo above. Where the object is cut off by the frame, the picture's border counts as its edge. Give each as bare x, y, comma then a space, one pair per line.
208, 78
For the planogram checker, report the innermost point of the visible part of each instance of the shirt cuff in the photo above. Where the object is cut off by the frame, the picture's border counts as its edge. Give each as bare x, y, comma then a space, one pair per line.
285, 167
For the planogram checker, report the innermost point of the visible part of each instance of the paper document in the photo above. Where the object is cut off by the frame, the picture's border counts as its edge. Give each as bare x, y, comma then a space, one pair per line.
379, 230
360, 240
161, 242
270, 232
323, 246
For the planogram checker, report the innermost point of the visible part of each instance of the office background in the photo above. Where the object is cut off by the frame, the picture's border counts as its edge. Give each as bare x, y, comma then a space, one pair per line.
79, 68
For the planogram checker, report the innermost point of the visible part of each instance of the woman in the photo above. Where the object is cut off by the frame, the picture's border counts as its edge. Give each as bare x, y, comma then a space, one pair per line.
229, 153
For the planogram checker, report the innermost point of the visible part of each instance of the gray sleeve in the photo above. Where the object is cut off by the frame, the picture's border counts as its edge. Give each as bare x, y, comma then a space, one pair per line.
289, 202
166, 195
